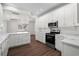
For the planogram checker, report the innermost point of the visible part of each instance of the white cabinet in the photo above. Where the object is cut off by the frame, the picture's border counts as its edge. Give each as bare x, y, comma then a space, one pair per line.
3, 44
1, 18
58, 14
0, 51
58, 43
66, 15
1, 12
2, 22
16, 39
76, 14
70, 47
40, 35
41, 27
61, 17
69, 15
4, 48
54, 15
11, 40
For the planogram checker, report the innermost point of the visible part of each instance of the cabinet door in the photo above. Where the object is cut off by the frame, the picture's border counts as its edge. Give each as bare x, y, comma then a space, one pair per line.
55, 15
58, 43
1, 13
4, 49
61, 17
41, 35
76, 14
0, 52
1, 19
13, 40
23, 39
58, 14
69, 14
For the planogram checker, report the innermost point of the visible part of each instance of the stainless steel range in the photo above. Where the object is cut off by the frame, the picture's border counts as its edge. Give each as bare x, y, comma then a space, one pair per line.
50, 37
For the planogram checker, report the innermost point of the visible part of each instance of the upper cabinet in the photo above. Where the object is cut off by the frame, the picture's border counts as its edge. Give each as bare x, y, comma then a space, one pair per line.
1, 12
76, 14
69, 15
61, 17
72, 15
1, 18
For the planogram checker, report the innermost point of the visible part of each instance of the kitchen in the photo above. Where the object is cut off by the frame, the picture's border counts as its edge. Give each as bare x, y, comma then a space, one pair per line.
18, 24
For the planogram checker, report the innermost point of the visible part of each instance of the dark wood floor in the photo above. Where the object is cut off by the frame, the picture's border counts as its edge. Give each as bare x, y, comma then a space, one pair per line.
35, 48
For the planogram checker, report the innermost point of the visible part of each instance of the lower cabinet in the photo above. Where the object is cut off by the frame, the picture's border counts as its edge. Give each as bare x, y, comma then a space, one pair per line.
4, 48
18, 39
13, 40
40, 34
42, 37
0, 50
58, 43
70, 47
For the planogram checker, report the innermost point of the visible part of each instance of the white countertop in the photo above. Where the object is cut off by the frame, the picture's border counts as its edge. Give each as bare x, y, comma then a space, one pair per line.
71, 42
18, 32
70, 36
72, 39
3, 37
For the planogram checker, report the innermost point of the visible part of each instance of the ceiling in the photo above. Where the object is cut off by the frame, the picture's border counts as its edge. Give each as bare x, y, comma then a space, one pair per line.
35, 8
